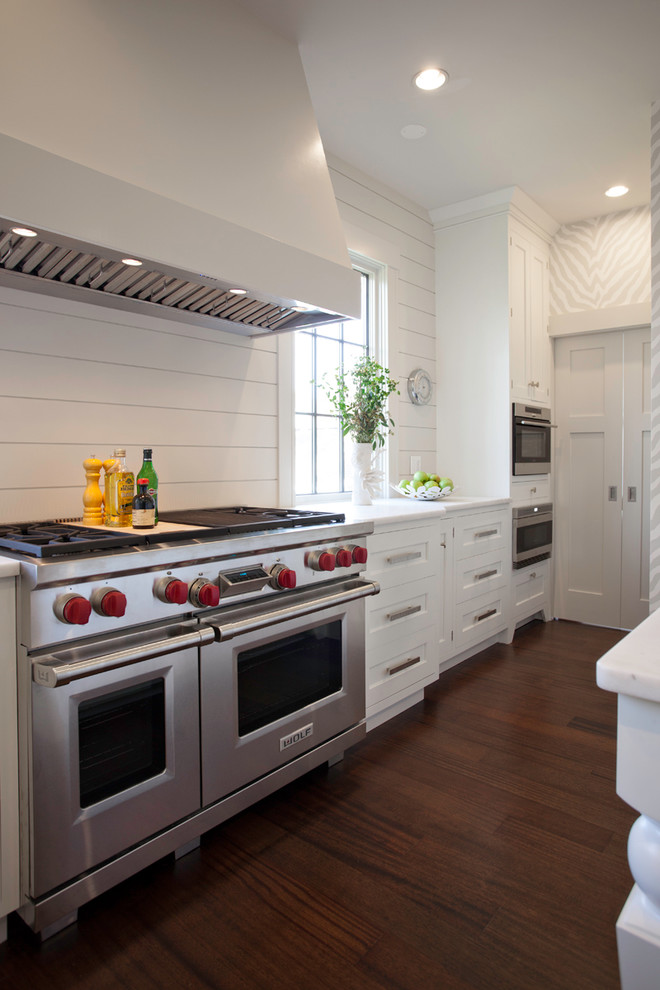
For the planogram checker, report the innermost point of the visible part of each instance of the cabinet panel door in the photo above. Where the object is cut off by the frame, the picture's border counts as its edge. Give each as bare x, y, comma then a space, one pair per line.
518, 315
603, 482
588, 508
540, 348
636, 481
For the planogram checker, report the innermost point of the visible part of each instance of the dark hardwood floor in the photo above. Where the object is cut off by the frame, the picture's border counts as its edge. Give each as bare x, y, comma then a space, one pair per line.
476, 841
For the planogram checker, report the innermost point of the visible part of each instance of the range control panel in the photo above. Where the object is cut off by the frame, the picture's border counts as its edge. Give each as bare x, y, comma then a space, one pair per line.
124, 600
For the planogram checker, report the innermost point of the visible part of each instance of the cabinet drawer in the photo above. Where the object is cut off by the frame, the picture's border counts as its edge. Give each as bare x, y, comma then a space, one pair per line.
481, 533
529, 491
397, 671
404, 556
530, 589
479, 618
475, 576
398, 611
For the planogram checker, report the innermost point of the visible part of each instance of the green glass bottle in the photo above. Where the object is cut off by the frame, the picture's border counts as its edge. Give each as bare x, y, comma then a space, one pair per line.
147, 471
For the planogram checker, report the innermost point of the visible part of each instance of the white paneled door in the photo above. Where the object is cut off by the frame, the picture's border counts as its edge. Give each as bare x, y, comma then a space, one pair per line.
602, 384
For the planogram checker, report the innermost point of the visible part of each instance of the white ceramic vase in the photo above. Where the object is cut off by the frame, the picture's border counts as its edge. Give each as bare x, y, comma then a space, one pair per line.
361, 458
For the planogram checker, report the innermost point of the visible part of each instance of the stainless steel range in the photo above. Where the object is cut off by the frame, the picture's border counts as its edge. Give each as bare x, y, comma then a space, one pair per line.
169, 680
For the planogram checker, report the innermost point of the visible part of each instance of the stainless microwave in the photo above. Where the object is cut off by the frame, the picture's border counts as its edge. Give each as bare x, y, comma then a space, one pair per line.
531, 439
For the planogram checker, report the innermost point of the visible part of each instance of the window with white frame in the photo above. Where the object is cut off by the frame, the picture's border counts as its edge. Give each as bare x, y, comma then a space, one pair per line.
322, 454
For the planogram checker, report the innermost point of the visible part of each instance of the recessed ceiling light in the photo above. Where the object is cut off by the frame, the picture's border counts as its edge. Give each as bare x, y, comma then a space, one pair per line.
429, 79
413, 131
131, 261
238, 292
23, 231
617, 191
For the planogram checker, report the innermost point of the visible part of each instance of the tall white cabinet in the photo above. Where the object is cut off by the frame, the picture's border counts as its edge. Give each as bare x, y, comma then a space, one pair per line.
492, 259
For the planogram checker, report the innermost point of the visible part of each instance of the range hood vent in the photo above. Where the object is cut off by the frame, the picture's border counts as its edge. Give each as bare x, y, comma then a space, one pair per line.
58, 265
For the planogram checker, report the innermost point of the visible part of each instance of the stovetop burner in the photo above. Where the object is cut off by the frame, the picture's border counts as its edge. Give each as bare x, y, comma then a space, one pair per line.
55, 539
50, 539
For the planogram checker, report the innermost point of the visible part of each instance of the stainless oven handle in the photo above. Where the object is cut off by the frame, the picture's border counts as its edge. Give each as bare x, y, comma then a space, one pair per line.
541, 423
51, 672
259, 620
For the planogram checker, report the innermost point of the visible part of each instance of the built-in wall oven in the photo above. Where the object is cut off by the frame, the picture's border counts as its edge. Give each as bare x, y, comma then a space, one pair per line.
531, 439
532, 534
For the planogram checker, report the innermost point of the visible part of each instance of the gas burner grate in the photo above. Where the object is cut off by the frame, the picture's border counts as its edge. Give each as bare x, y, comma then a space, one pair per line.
53, 539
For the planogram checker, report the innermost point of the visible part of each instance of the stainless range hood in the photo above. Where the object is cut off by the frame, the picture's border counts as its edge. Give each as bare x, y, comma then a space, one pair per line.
193, 149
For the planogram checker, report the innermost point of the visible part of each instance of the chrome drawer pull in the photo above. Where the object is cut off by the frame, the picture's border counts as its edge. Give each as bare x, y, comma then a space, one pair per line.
485, 574
485, 615
393, 616
403, 666
400, 558
486, 532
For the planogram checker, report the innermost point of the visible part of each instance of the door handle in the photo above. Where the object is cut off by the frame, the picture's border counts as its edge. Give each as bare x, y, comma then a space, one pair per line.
612, 493
632, 493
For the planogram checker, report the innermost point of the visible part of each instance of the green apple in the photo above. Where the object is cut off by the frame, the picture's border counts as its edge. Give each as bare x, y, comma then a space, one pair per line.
435, 477
416, 484
446, 483
420, 476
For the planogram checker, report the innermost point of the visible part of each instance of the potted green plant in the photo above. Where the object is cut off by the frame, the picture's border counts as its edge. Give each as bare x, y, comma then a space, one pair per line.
360, 394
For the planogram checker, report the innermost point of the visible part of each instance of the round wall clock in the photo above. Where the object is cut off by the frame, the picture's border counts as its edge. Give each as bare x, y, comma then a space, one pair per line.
420, 387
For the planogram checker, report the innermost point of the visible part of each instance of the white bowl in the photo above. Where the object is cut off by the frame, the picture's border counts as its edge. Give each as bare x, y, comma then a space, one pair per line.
423, 494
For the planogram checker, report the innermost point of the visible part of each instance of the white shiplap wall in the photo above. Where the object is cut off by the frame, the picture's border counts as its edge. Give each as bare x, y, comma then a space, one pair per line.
406, 227
76, 379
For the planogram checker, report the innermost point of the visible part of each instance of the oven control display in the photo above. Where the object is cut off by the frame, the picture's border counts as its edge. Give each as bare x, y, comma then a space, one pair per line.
240, 582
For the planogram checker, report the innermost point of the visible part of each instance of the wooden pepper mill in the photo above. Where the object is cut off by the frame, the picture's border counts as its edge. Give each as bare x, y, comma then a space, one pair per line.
93, 497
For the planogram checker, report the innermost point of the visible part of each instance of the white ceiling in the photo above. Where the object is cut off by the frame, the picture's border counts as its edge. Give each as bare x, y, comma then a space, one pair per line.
553, 96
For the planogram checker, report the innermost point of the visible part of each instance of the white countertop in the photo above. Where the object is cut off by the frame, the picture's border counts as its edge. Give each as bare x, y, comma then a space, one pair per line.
8, 567
401, 509
632, 667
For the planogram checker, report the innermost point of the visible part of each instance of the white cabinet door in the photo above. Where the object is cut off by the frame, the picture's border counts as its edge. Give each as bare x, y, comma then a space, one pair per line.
636, 479
530, 348
601, 538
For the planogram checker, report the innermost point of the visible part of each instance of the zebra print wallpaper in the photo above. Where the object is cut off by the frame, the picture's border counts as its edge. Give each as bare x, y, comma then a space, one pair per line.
654, 578
600, 263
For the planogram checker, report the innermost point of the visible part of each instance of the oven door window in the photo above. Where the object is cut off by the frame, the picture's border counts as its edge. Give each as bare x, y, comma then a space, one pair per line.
531, 537
532, 444
282, 677
121, 740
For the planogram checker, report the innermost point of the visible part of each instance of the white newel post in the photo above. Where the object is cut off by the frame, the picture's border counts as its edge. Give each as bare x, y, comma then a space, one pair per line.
632, 670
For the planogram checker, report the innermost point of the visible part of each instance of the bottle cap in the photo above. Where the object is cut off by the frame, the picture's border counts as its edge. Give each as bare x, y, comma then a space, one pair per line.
120, 452
143, 481
148, 451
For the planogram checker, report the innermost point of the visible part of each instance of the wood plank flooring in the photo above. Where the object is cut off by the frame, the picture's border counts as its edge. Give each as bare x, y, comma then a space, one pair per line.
474, 843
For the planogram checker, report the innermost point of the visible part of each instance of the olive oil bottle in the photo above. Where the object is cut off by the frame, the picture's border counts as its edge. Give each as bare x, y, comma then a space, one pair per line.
119, 485
147, 471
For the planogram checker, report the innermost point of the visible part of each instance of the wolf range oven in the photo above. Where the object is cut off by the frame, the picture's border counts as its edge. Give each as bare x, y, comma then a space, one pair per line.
168, 681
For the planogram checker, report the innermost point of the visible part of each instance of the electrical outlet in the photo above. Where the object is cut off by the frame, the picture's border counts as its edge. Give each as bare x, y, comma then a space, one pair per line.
415, 464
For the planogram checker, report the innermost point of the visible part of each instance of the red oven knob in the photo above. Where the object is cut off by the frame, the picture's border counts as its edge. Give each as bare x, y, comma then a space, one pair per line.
282, 577
344, 558
203, 594
176, 592
359, 555
109, 601
321, 560
73, 609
